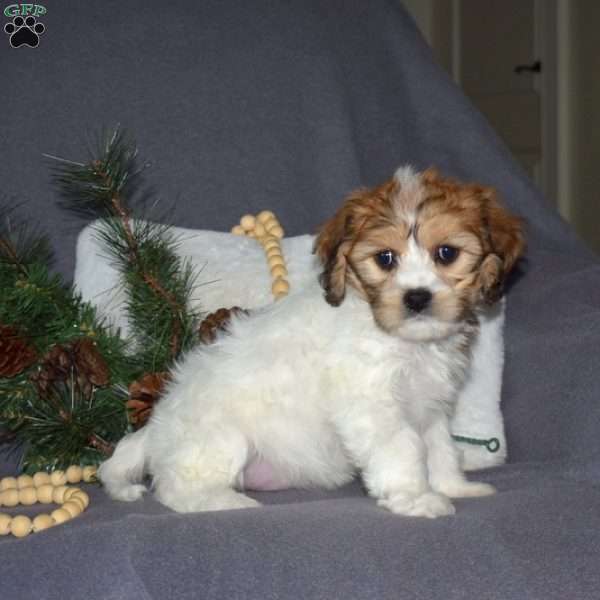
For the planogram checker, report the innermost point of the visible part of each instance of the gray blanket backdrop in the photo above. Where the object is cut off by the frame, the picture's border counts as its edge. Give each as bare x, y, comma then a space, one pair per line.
288, 105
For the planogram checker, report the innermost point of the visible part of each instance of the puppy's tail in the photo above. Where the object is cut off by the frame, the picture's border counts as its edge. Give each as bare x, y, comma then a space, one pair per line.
123, 472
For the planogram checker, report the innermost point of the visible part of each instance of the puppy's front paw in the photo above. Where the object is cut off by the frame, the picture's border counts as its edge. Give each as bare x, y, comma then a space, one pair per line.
429, 505
465, 489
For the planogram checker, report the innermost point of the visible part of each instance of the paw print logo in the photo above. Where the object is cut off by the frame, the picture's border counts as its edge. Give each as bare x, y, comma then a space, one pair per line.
24, 32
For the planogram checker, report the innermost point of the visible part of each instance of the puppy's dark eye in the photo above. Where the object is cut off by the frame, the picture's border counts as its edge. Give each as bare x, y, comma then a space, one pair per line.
386, 259
446, 255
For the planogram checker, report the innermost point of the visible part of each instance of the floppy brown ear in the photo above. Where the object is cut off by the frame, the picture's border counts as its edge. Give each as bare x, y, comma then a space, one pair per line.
361, 209
331, 246
504, 232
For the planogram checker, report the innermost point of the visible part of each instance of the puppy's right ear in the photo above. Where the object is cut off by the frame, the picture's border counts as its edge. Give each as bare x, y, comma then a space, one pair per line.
331, 246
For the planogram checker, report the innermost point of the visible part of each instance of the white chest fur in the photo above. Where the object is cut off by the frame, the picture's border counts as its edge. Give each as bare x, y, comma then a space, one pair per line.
371, 366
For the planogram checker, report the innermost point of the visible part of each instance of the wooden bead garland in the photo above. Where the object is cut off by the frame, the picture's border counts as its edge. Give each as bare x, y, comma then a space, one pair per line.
46, 489
266, 229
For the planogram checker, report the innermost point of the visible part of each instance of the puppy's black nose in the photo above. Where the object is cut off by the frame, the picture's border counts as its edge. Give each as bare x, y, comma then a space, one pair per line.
417, 299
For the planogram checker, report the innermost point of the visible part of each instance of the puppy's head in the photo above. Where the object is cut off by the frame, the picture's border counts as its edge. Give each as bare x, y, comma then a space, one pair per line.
424, 251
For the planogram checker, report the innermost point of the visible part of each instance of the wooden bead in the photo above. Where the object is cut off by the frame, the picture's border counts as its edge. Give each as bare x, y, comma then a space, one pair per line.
58, 495
60, 515
73, 508
5, 524
238, 230
42, 522
74, 474
77, 500
44, 493
278, 271
274, 251
259, 230
280, 285
69, 492
24, 481
9, 497
89, 474
28, 496
8, 483
271, 242
58, 477
275, 260
20, 526
264, 215
270, 222
248, 222
84, 498
41, 478
277, 231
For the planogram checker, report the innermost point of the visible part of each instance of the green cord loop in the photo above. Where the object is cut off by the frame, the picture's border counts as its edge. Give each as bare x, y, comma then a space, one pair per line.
491, 445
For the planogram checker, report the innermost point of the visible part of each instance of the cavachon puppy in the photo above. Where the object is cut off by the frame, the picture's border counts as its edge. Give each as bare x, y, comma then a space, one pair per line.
356, 374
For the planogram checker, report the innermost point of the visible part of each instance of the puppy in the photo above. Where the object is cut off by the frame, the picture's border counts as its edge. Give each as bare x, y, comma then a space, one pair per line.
359, 374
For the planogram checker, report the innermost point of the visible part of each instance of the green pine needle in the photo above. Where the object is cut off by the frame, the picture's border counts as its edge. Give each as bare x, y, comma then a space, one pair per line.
159, 284
89, 188
20, 244
64, 425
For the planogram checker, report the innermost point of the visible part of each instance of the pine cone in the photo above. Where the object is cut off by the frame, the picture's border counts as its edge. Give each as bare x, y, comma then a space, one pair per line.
79, 359
16, 354
143, 395
55, 367
90, 363
217, 321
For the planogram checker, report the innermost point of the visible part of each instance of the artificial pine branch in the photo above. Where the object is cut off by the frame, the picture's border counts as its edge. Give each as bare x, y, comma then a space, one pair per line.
158, 282
80, 416
20, 245
69, 403
70, 427
30, 293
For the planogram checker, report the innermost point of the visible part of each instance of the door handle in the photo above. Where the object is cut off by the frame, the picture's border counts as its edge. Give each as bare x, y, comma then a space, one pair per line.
534, 67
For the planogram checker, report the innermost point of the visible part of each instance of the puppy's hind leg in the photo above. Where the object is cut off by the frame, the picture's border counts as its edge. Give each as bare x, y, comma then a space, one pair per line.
202, 473
122, 474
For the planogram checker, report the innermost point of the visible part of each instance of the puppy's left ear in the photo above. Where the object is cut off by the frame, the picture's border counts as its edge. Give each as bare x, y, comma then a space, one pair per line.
506, 244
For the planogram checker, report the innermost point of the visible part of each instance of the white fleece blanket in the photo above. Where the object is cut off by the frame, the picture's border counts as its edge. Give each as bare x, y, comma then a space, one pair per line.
232, 271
